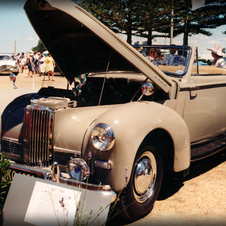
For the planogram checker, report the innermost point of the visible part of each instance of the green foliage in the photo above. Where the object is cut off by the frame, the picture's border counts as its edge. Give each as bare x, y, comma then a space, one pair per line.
199, 21
4, 179
143, 17
155, 16
122, 16
39, 48
139, 17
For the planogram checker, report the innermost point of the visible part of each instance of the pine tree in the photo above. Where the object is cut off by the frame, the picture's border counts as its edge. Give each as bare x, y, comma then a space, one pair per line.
195, 22
122, 16
144, 17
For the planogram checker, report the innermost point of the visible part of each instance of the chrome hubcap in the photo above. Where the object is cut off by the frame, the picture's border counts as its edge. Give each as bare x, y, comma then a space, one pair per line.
145, 177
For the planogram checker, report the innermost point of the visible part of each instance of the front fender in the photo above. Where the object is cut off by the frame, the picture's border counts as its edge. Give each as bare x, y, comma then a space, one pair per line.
131, 123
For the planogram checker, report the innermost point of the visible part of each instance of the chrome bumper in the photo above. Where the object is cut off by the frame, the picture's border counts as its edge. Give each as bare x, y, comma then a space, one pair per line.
53, 173
9, 71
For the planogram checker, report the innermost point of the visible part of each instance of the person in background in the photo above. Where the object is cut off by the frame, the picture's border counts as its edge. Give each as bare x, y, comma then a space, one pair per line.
35, 62
22, 62
217, 54
27, 58
150, 54
31, 66
12, 78
168, 57
82, 79
157, 57
179, 59
41, 62
50, 65
141, 50
17, 58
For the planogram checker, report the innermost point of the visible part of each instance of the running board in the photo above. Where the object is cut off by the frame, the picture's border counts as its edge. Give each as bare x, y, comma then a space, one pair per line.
208, 148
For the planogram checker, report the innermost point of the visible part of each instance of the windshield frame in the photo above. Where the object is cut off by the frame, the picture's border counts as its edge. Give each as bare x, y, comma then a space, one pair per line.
5, 57
144, 48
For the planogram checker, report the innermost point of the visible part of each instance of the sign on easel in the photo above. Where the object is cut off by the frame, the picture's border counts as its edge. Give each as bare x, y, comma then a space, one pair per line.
52, 204
33, 201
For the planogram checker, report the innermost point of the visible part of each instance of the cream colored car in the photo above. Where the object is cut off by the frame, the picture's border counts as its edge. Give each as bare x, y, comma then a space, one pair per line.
126, 124
8, 65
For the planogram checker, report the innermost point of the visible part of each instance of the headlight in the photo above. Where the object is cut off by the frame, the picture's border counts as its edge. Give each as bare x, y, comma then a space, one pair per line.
102, 137
78, 169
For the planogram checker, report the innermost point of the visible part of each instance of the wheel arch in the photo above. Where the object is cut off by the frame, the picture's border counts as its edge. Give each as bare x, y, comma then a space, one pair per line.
162, 140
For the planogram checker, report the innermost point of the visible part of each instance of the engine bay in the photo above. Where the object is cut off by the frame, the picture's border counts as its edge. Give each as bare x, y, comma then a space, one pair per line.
104, 91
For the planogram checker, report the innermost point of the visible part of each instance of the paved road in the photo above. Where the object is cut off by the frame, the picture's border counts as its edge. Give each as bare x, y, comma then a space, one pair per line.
200, 199
35, 83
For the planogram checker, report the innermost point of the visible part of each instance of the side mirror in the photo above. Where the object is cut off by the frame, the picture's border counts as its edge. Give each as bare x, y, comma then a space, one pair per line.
147, 89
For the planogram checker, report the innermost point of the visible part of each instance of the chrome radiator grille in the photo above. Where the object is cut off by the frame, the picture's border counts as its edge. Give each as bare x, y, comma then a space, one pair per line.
38, 134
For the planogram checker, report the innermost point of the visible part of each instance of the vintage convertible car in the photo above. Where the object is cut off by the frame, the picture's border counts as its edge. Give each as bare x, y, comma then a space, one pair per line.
8, 65
130, 122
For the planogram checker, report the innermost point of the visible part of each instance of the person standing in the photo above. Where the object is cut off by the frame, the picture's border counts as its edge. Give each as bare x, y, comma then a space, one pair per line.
22, 62
31, 66
17, 57
35, 62
41, 64
217, 54
50, 65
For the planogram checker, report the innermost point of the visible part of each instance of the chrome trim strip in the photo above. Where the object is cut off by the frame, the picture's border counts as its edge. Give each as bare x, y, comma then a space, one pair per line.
200, 86
92, 187
65, 150
45, 173
104, 189
10, 139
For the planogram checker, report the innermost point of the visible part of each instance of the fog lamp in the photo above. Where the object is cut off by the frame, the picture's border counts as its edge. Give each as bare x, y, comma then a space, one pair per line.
78, 169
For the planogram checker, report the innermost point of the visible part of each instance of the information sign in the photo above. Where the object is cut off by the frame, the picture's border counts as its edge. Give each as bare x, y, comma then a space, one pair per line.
34, 201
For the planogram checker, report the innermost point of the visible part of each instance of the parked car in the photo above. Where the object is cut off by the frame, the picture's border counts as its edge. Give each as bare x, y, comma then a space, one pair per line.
131, 121
201, 63
8, 64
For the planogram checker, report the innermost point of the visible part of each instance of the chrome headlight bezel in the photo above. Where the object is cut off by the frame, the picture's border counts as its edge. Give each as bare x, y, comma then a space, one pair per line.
102, 137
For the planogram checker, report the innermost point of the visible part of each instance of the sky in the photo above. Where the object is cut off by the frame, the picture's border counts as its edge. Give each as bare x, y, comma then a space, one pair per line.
17, 33
15, 27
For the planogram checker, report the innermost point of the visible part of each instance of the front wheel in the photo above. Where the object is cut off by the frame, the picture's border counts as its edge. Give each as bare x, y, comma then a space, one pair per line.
145, 182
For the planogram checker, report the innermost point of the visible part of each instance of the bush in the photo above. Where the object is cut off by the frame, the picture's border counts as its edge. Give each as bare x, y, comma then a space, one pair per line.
4, 179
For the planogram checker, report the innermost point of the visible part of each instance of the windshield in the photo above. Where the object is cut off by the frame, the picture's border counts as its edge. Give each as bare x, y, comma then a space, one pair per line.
172, 60
5, 57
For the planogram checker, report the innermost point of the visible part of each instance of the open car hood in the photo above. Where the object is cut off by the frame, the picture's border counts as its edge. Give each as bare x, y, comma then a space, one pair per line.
79, 43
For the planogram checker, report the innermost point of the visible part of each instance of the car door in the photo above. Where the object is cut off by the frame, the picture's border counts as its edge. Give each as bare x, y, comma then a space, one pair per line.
205, 106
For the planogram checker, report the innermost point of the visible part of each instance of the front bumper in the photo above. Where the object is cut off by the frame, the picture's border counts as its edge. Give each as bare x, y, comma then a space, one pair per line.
6, 72
53, 173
